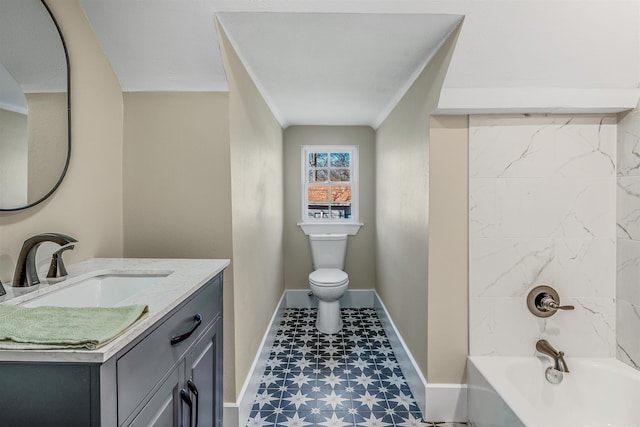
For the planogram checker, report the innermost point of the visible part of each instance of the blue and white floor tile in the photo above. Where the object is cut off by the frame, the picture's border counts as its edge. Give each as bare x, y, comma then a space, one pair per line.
348, 379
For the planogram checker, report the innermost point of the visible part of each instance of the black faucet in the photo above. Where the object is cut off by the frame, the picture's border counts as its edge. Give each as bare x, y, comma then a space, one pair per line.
57, 270
26, 274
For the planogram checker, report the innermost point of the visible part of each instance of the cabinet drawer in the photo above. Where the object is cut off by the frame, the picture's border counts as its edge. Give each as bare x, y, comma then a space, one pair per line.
146, 364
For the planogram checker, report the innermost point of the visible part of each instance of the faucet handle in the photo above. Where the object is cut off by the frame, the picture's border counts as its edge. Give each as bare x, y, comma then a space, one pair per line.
57, 270
544, 301
547, 302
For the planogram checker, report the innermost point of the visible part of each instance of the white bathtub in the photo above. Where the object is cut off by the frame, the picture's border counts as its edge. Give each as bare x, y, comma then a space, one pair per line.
513, 391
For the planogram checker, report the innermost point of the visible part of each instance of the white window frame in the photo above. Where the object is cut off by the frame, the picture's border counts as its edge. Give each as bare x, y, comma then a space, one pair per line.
354, 156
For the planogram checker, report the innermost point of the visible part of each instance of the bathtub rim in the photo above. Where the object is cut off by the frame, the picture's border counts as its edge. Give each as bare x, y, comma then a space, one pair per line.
527, 414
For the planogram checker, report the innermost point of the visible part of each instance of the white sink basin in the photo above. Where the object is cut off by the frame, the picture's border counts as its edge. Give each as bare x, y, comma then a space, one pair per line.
107, 290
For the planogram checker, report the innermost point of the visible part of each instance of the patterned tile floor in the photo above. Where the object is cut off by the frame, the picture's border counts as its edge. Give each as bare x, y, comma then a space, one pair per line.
348, 379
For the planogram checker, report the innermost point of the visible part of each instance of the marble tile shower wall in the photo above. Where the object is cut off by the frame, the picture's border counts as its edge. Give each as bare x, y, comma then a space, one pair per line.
542, 210
628, 233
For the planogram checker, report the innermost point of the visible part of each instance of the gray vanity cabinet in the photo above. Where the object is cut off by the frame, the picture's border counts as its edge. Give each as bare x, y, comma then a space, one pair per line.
173, 376
191, 394
206, 375
167, 377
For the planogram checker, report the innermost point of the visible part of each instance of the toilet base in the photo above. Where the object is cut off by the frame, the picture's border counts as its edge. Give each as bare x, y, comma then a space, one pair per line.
329, 319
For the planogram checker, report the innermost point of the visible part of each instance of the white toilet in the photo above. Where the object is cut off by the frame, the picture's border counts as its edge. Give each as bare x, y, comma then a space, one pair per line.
328, 281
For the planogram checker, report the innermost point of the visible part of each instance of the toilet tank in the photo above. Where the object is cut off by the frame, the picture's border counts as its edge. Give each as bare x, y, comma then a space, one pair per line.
328, 250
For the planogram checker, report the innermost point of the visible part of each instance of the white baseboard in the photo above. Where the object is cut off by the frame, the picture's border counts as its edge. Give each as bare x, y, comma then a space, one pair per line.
446, 402
237, 413
439, 402
412, 373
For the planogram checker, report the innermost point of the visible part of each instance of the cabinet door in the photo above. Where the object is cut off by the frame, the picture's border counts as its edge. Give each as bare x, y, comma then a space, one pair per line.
205, 374
163, 408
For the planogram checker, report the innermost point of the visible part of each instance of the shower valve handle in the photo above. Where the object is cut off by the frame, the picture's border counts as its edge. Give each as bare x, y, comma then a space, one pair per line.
544, 301
548, 303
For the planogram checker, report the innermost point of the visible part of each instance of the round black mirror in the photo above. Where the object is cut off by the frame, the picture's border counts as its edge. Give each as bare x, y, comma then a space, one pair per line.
35, 113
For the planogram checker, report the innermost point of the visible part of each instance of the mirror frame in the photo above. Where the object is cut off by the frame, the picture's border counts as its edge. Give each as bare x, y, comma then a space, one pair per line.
66, 164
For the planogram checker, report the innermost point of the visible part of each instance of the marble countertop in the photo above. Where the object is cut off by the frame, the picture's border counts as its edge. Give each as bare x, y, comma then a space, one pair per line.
185, 277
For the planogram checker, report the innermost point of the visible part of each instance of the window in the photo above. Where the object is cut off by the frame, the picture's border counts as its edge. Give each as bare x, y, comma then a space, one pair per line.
330, 183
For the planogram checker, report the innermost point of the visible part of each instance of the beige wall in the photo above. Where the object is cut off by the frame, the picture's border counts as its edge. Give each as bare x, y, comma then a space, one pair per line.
360, 260
88, 204
13, 159
402, 205
177, 186
47, 141
447, 312
257, 211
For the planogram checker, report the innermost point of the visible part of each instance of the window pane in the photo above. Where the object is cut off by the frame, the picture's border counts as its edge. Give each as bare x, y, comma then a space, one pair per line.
341, 194
341, 212
318, 160
341, 202
318, 202
340, 160
318, 194
319, 212
318, 175
340, 175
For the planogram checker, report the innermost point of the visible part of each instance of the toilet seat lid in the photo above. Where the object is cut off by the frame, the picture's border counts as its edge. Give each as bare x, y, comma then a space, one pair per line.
328, 276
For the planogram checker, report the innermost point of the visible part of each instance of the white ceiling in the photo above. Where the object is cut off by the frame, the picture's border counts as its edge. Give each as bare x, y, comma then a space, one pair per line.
311, 68
333, 67
346, 61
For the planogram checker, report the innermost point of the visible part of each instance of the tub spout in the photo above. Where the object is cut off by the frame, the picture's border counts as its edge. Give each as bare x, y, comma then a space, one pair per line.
544, 347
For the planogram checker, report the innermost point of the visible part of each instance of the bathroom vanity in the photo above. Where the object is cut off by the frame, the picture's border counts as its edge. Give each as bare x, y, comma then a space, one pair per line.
165, 370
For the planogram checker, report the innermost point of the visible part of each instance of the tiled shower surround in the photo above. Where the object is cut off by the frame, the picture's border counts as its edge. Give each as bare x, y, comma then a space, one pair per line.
348, 379
542, 200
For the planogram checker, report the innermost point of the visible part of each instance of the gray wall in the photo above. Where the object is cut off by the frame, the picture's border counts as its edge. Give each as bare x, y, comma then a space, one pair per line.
360, 260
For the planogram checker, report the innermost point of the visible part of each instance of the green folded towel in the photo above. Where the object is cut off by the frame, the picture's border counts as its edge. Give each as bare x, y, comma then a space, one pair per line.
64, 327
